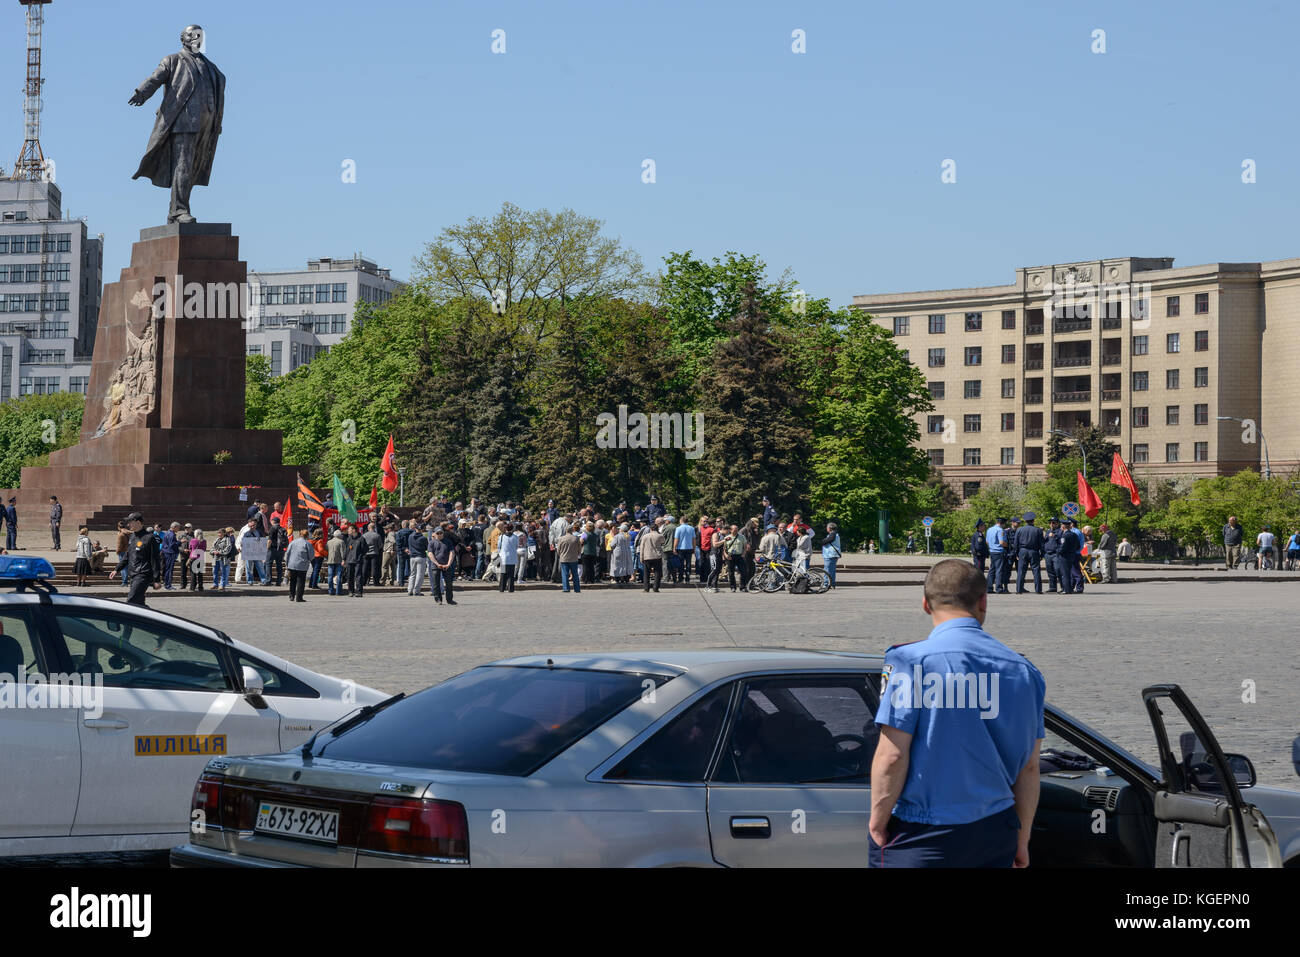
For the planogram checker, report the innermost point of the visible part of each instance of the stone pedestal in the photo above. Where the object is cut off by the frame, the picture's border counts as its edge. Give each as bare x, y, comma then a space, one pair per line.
166, 393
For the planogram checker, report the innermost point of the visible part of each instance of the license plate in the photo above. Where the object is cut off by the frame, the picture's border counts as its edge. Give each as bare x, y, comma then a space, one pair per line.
307, 823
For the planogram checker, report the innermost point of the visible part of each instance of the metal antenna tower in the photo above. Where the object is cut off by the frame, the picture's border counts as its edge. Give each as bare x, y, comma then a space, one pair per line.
31, 161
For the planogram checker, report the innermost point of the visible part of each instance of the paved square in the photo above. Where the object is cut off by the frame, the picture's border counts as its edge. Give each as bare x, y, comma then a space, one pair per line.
1097, 651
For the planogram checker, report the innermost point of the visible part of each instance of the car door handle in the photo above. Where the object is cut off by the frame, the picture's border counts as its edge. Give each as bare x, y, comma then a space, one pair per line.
751, 827
104, 723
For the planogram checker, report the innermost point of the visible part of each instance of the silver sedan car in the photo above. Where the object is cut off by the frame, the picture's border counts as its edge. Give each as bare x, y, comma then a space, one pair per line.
730, 757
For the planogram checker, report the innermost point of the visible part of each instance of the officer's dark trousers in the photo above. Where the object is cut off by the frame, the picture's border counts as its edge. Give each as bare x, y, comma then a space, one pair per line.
1063, 573
136, 589
1049, 560
1029, 559
997, 570
989, 842
1076, 576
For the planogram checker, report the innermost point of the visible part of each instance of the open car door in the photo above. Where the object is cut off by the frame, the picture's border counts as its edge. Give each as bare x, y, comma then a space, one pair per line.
1201, 818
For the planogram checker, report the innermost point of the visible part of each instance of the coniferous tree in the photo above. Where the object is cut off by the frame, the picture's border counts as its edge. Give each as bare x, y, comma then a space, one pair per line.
499, 429
757, 439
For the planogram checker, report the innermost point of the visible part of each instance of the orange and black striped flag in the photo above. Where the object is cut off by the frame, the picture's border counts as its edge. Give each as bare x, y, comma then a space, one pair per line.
308, 502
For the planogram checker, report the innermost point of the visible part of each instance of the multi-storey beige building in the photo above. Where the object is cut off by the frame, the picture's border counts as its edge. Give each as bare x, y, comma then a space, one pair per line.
1187, 369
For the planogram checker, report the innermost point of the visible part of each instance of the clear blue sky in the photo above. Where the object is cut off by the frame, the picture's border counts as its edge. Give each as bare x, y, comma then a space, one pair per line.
826, 162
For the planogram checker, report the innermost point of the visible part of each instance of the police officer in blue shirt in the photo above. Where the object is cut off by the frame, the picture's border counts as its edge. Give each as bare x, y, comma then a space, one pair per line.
1029, 549
1068, 560
954, 781
997, 540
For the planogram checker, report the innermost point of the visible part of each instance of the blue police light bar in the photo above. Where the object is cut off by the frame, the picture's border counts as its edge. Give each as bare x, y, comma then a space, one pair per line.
23, 568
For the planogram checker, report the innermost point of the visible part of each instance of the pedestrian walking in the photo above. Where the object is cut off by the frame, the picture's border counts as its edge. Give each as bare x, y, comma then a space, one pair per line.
954, 783
297, 560
142, 560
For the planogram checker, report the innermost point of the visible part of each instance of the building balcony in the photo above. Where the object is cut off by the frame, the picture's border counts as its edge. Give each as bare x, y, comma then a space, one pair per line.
1111, 360
1074, 361
1034, 329
1112, 323
1033, 363
1033, 433
1033, 398
1071, 325
1111, 429
1110, 395
1071, 396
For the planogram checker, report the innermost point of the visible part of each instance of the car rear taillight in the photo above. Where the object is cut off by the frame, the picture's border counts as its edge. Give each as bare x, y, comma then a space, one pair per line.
416, 828
205, 805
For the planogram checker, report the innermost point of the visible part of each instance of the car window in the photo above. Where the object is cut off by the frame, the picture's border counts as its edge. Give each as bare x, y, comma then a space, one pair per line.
680, 751
275, 681
802, 730
495, 719
135, 653
19, 649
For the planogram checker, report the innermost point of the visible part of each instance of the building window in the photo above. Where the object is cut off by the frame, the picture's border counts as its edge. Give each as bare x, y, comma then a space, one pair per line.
970, 457
1008, 456
338, 325
934, 424
1202, 379
971, 488
323, 292
4, 245
272, 295
936, 457
340, 292
1171, 342
1140, 420
971, 422
277, 357
1008, 423
1202, 307
974, 355
254, 350
974, 321
33, 242
79, 383
306, 294
1008, 354
1171, 378
65, 242
972, 389
1139, 345
1203, 340
1171, 451
1139, 381
936, 390
1171, 415
936, 358
290, 295
1201, 452
1141, 453
901, 325
25, 385
1008, 318
1201, 413
1171, 305
937, 324
1008, 388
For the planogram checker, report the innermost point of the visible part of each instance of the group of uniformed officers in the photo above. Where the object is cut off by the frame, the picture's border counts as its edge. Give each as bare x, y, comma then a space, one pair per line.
1025, 546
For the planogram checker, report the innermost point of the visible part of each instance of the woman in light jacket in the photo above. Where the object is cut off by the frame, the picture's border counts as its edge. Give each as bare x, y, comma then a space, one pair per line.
831, 550
620, 556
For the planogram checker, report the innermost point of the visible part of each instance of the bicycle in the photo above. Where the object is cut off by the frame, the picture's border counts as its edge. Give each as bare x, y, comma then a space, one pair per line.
776, 575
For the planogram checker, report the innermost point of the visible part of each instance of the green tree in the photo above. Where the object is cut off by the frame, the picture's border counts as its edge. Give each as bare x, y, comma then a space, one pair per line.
33, 426
757, 436
259, 385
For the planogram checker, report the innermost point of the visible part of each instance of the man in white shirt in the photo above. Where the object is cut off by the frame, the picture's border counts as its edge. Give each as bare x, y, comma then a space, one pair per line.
508, 547
1265, 545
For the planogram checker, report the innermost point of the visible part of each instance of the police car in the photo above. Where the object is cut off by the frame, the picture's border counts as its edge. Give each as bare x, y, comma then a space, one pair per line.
694, 758
108, 712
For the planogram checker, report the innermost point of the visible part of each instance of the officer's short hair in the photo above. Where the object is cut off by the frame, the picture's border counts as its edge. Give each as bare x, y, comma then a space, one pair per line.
954, 583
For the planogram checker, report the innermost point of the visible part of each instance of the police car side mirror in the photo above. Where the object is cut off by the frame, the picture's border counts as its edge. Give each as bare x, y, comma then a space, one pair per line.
253, 686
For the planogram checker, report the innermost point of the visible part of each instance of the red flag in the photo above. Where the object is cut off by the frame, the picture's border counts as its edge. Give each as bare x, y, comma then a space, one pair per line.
286, 518
1088, 498
374, 497
1120, 476
386, 466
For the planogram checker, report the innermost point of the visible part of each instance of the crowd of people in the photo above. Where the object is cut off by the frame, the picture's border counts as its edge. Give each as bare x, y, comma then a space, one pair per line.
1066, 551
1269, 553
447, 542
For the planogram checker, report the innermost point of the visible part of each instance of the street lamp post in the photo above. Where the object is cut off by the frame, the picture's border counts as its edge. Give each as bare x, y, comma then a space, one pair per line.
401, 486
1268, 472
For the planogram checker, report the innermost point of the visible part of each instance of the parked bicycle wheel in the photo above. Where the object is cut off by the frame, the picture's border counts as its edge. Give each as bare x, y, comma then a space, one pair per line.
756, 580
818, 581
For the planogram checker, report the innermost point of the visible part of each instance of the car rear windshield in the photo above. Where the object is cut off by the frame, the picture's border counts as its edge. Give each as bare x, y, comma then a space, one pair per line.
493, 720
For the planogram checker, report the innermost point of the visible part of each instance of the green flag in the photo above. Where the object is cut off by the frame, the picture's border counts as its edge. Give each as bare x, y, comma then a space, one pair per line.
343, 501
